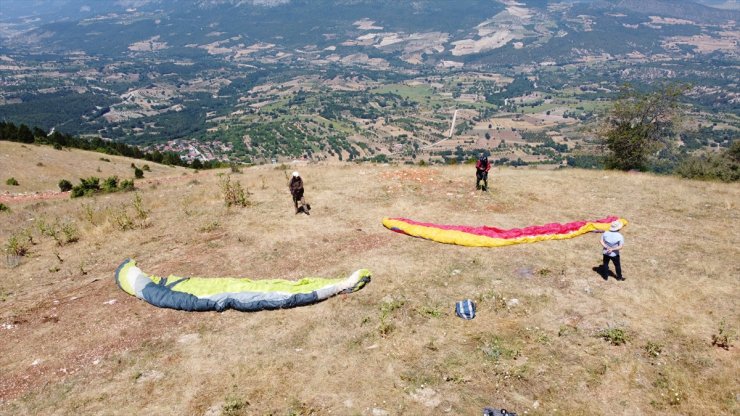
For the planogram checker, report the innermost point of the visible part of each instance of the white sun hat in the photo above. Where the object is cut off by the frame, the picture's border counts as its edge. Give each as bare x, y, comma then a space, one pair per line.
295, 174
615, 226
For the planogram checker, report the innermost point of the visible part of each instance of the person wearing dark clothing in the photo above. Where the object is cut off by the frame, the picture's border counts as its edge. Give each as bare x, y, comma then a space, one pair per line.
296, 190
482, 166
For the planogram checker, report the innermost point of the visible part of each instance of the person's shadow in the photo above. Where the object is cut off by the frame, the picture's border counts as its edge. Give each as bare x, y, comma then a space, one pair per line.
600, 271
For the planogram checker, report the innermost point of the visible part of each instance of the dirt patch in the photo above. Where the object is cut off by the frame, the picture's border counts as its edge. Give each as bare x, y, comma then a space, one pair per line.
9, 198
419, 175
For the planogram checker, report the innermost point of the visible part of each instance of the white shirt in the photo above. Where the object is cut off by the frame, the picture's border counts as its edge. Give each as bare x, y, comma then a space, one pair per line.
612, 239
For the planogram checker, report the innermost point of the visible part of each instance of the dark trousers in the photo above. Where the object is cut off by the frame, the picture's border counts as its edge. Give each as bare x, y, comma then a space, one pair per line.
481, 175
298, 197
617, 265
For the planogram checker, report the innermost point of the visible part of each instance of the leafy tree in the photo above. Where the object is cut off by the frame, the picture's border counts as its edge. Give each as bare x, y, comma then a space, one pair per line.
641, 124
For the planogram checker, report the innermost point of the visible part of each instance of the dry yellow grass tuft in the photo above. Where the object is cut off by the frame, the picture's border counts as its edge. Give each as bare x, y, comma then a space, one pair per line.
547, 338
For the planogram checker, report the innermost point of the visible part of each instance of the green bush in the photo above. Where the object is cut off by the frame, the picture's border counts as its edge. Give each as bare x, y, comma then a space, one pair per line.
126, 185
615, 336
77, 192
381, 158
18, 244
124, 220
4, 207
724, 337
12, 182
86, 187
585, 161
71, 235
724, 166
653, 349
65, 185
92, 186
141, 212
110, 184
233, 192
138, 173
146, 168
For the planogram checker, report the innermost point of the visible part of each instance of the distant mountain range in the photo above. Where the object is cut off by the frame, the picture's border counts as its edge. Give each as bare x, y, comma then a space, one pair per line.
684, 9
421, 32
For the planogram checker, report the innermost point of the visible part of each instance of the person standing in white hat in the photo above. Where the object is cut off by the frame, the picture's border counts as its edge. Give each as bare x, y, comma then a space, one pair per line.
612, 241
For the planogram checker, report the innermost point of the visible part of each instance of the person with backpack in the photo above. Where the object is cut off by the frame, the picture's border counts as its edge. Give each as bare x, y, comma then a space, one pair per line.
296, 190
482, 166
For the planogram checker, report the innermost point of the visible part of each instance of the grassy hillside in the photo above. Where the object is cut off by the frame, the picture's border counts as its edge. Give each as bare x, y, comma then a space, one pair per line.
39, 168
542, 343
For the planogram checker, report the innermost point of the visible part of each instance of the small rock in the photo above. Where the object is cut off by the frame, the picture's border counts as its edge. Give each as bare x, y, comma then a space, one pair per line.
380, 412
512, 302
189, 339
588, 290
151, 375
37, 362
524, 272
426, 396
215, 410
110, 302
536, 404
455, 272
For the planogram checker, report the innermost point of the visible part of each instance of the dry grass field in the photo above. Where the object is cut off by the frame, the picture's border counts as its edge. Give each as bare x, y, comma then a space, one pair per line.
550, 337
38, 169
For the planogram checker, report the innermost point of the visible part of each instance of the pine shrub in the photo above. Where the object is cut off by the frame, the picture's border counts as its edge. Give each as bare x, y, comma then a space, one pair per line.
65, 185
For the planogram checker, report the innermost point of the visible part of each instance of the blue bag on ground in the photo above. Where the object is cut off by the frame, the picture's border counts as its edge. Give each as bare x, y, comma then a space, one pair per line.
496, 412
465, 309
